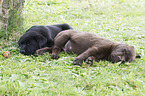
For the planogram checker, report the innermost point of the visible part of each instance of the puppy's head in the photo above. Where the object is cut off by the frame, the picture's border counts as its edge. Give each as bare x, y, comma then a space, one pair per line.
30, 42
123, 53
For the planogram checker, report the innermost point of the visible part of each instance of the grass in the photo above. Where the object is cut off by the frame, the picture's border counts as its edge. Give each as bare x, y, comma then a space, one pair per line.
118, 20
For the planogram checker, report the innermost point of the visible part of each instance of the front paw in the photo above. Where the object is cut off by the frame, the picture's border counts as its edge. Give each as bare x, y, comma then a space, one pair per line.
42, 51
54, 56
89, 61
39, 52
77, 61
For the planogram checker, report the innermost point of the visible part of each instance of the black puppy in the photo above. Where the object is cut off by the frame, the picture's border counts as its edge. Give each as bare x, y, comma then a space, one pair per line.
40, 36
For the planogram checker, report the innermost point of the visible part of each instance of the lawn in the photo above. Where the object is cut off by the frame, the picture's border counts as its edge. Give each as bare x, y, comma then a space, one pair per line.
118, 20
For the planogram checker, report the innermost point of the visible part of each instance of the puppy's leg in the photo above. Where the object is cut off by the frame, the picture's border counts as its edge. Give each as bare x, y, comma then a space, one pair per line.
42, 51
59, 43
90, 52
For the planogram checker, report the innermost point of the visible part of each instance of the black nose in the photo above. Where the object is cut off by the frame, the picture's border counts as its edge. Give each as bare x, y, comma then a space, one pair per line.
22, 51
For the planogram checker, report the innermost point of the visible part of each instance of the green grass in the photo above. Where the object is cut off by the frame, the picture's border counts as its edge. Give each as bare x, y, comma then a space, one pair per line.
118, 20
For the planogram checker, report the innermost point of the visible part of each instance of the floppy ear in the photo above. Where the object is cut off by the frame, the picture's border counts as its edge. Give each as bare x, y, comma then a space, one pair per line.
41, 40
138, 56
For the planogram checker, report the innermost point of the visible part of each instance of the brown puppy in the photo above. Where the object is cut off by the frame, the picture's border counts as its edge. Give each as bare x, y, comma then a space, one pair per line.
88, 45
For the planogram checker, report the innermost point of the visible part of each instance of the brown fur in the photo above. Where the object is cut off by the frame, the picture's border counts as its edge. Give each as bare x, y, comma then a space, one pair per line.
88, 45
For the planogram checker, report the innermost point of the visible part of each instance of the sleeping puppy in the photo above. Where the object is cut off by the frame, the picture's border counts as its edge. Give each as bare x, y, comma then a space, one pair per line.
89, 46
38, 37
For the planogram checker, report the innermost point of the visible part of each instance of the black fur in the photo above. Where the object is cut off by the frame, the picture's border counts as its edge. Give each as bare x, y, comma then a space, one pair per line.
38, 37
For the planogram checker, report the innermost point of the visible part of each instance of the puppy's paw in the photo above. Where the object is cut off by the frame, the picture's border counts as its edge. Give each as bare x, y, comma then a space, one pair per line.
77, 61
89, 61
42, 51
54, 56
39, 52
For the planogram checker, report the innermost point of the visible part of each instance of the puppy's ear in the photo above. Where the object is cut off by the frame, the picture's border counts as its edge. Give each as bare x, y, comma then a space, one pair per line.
41, 40
138, 56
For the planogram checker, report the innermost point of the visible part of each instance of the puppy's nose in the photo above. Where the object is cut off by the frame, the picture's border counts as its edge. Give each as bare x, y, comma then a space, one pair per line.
22, 51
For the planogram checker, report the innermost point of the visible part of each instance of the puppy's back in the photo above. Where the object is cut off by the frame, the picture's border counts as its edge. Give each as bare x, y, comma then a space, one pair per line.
81, 41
